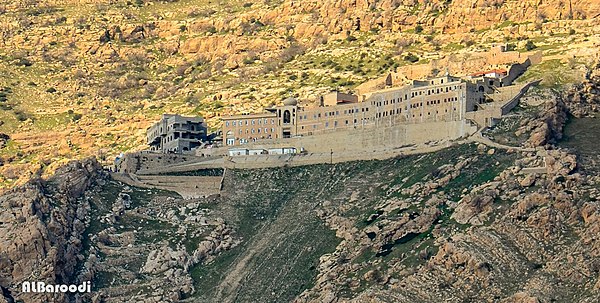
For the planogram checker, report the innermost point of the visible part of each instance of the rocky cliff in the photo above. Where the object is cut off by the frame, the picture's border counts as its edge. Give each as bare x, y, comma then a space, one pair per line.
464, 224
41, 231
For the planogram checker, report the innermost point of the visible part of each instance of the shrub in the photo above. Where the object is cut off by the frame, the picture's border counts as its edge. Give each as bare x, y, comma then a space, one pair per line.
530, 45
351, 38
51, 90
24, 62
412, 58
418, 29
21, 115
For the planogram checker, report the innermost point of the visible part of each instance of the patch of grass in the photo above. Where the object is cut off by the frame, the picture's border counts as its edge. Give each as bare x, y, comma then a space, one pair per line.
548, 71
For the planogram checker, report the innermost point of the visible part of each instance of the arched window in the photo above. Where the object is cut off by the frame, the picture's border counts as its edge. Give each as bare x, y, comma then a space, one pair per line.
287, 117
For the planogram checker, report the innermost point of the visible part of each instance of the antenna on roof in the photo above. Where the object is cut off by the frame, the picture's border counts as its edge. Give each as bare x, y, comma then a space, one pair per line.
447, 72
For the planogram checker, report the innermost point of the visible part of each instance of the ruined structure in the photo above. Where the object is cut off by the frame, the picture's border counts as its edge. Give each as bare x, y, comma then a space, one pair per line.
176, 134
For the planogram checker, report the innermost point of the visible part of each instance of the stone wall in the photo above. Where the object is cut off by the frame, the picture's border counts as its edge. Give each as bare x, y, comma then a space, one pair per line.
188, 187
515, 71
371, 139
504, 101
459, 65
134, 162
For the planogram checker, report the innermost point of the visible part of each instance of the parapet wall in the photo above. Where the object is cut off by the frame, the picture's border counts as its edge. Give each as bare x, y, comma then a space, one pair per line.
455, 65
134, 162
504, 101
373, 138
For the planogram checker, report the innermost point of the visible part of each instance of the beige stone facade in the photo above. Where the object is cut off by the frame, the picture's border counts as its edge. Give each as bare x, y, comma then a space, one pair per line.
249, 128
437, 99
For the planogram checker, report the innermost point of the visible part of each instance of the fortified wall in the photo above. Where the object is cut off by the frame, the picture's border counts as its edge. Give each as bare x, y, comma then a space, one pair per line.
147, 160
505, 99
372, 139
456, 65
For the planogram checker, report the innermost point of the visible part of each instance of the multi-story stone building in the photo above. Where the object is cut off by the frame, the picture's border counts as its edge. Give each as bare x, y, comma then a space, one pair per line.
444, 98
176, 134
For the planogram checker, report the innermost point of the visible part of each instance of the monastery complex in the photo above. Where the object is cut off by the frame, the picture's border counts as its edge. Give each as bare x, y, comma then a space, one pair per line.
386, 117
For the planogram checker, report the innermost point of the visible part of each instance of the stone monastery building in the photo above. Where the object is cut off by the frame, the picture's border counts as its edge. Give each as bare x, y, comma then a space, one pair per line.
445, 98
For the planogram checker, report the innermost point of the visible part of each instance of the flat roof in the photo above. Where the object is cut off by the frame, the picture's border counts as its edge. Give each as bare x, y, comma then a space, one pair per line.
497, 71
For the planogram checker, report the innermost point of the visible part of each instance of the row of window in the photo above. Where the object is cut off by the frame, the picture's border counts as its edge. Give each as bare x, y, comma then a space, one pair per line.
231, 141
252, 122
335, 123
258, 130
334, 113
434, 91
391, 101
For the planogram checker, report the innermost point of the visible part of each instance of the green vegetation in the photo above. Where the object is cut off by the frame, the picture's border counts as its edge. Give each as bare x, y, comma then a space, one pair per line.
547, 70
505, 132
275, 218
412, 58
530, 45
580, 134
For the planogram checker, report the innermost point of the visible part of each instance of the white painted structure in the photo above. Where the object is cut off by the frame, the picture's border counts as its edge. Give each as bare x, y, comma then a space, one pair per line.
282, 150
238, 152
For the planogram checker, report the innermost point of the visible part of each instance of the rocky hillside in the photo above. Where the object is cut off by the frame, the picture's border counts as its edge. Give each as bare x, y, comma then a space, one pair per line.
41, 231
469, 223
84, 78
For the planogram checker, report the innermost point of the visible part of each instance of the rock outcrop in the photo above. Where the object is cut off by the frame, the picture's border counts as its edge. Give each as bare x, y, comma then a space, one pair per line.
584, 99
41, 231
